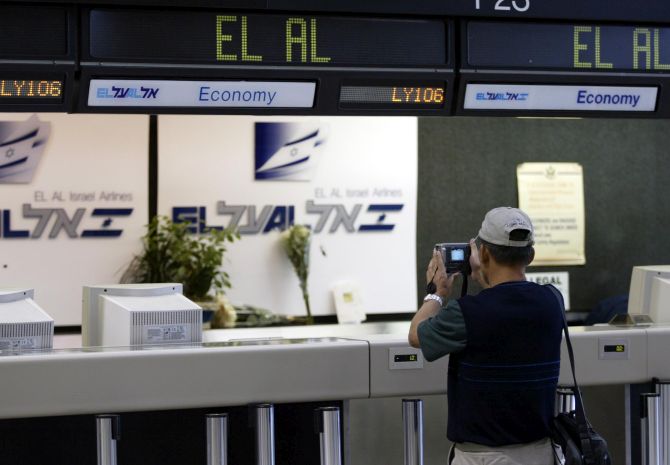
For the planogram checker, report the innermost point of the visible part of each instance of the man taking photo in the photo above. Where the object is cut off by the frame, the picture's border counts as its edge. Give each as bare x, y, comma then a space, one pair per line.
504, 345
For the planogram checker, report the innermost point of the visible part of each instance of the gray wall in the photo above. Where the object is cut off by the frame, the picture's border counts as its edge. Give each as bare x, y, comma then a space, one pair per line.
468, 165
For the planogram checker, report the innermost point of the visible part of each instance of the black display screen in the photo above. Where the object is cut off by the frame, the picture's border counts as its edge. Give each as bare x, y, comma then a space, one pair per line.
575, 47
406, 358
405, 95
50, 90
619, 348
33, 32
259, 39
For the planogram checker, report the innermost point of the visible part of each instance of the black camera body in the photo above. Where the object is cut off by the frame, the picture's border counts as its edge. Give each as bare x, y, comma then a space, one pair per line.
456, 257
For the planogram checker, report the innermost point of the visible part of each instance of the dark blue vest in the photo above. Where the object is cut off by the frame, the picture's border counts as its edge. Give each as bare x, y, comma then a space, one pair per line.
502, 387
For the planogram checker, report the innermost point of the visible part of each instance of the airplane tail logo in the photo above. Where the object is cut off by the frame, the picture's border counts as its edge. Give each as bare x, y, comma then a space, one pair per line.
288, 151
22, 144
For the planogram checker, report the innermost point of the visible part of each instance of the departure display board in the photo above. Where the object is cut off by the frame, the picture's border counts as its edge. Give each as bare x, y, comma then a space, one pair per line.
33, 32
407, 95
50, 90
574, 47
230, 38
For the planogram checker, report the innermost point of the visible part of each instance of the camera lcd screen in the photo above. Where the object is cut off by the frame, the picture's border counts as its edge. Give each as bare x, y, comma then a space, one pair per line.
457, 255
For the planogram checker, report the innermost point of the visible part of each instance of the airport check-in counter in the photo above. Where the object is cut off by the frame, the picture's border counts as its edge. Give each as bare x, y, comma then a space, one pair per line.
288, 365
606, 355
234, 367
81, 381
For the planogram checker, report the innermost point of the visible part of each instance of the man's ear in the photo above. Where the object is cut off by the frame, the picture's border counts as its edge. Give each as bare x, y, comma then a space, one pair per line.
484, 254
532, 256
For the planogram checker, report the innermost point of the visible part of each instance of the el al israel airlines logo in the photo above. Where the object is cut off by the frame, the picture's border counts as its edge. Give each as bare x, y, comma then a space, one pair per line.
288, 151
21, 146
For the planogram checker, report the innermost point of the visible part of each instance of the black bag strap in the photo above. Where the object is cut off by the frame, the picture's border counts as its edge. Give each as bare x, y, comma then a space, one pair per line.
583, 425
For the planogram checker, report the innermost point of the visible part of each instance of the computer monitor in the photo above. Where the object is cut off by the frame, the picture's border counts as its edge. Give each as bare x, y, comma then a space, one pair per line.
139, 314
650, 292
23, 324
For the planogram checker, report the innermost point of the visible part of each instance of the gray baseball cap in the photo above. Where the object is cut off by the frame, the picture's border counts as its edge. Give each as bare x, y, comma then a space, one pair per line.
500, 222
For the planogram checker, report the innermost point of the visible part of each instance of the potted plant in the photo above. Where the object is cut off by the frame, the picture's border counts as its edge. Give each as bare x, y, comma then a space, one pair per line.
296, 243
171, 253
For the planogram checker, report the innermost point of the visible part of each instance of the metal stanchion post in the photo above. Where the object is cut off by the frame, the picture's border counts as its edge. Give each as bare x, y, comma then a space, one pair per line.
217, 438
649, 429
664, 391
265, 434
412, 418
108, 432
565, 400
327, 421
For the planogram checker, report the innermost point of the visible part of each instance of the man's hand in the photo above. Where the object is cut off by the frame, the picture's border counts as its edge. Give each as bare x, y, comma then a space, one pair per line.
438, 274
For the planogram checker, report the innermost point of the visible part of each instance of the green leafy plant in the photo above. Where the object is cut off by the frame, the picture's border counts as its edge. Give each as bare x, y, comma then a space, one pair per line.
296, 242
171, 253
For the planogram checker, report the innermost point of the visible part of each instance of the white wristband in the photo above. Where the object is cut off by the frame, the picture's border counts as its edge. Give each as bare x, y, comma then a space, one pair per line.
434, 297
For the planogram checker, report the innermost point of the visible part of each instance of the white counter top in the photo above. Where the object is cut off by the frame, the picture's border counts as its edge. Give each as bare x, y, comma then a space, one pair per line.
235, 367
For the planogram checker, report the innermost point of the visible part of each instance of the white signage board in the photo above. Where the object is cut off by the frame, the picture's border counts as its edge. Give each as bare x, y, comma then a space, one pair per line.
559, 279
72, 213
552, 194
352, 180
200, 94
546, 97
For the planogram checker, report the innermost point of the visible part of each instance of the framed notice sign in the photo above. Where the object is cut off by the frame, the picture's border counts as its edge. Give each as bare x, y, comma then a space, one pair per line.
553, 196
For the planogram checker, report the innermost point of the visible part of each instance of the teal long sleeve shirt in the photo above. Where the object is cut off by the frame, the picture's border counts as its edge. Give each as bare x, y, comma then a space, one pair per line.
444, 333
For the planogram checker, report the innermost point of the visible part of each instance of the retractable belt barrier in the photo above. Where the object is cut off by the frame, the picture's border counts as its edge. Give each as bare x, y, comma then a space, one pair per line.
108, 431
327, 426
264, 422
650, 429
412, 421
565, 400
217, 438
663, 389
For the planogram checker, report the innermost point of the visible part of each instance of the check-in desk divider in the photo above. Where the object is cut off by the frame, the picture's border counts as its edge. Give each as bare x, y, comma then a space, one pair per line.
650, 429
108, 431
565, 400
217, 438
327, 426
412, 425
263, 420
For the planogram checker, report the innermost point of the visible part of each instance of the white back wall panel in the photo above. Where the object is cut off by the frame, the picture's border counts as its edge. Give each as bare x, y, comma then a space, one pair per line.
204, 160
89, 162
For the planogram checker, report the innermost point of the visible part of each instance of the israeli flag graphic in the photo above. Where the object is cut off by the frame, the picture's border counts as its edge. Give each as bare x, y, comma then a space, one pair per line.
21, 146
288, 151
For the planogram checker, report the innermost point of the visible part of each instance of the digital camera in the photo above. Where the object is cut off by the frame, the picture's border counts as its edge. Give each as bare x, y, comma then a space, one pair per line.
456, 257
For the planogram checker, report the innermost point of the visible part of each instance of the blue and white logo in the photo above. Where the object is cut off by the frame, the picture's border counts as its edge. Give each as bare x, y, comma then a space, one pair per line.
56, 221
288, 151
116, 92
21, 146
559, 97
503, 96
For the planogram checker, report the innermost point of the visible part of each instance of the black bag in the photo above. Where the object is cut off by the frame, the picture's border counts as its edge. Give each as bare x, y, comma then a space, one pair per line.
572, 431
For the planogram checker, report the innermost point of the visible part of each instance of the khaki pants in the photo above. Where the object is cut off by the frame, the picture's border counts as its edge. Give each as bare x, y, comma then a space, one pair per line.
536, 453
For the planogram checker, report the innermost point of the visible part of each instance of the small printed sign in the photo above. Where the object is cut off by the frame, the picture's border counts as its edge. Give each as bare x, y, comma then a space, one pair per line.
543, 97
552, 194
200, 94
560, 280
158, 334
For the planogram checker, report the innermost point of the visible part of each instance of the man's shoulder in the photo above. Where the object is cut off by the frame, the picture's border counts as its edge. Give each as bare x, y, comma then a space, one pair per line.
515, 293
